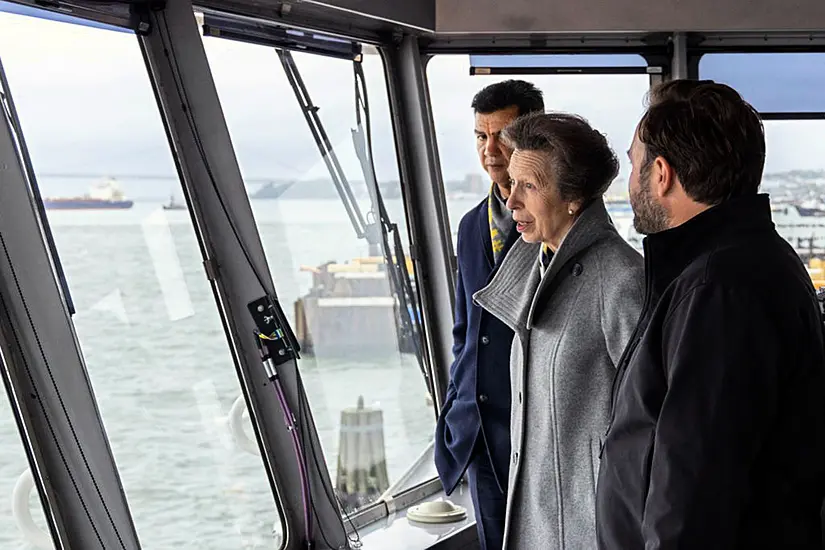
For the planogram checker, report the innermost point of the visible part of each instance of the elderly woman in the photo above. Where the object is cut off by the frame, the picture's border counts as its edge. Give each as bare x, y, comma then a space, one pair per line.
571, 288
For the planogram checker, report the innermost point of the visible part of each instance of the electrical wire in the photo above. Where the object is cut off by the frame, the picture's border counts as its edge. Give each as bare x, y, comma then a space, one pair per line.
304, 414
289, 420
298, 444
399, 275
169, 50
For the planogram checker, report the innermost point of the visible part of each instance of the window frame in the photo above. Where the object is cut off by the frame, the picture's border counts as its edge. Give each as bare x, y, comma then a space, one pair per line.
271, 35
561, 69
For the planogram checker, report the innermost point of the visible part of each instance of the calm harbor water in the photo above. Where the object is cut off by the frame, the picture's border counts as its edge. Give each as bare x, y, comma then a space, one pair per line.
165, 382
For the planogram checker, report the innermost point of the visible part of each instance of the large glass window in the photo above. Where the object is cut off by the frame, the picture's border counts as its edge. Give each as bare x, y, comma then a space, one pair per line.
612, 103
146, 318
772, 82
337, 288
783, 86
22, 524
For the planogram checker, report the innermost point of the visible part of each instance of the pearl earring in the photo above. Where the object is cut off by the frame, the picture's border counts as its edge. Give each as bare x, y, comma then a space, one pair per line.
570, 211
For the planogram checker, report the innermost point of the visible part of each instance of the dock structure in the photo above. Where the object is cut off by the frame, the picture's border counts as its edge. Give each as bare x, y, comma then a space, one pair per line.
350, 309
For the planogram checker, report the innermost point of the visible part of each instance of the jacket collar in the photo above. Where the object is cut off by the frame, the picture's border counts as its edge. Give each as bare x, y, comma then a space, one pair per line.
669, 252
515, 290
512, 237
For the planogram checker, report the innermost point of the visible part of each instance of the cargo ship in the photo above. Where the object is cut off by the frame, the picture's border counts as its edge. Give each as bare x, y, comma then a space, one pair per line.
105, 195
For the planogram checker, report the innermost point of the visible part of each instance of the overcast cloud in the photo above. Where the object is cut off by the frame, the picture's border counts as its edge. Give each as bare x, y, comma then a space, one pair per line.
86, 105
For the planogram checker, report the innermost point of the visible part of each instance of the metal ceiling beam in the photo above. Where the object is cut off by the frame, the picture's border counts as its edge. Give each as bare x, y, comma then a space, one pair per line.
623, 16
749, 41
315, 19
414, 14
561, 43
111, 16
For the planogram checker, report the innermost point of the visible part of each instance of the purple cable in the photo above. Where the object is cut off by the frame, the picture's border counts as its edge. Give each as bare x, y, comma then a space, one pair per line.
288, 416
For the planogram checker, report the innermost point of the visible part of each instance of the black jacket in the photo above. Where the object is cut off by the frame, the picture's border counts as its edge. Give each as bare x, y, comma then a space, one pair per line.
718, 433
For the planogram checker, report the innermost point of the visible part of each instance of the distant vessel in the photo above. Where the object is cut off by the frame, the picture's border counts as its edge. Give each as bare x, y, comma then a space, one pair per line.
173, 205
106, 195
271, 190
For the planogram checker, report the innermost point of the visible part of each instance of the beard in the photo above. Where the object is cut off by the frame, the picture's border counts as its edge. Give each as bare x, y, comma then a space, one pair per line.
648, 216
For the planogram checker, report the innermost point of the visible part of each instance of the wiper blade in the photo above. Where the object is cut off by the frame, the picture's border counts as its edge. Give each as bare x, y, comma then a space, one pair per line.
310, 112
396, 263
377, 227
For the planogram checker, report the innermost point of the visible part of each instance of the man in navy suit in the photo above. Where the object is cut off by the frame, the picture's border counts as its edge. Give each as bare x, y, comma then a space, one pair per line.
473, 429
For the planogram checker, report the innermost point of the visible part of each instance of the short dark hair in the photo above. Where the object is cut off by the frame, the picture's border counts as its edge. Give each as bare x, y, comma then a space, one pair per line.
509, 93
712, 137
582, 161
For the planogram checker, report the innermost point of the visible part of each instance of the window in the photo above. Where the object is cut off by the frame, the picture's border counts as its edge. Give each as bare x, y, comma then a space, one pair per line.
612, 103
785, 86
335, 286
21, 513
146, 319
774, 83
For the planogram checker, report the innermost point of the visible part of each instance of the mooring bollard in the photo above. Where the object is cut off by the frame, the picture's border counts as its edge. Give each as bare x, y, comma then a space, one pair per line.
362, 464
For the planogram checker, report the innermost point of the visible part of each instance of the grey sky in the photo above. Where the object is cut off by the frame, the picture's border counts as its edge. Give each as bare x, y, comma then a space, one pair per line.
86, 106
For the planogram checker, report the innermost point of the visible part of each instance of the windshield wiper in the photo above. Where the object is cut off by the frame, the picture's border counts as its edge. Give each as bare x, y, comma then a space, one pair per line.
400, 280
310, 113
379, 226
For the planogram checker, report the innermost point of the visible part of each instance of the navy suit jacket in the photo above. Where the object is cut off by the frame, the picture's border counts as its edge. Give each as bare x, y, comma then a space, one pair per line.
478, 396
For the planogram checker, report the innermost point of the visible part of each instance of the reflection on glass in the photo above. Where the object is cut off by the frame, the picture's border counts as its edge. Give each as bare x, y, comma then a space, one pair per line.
613, 104
367, 393
146, 319
22, 524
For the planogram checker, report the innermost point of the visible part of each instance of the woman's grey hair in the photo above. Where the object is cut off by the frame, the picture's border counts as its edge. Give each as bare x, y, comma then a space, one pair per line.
581, 160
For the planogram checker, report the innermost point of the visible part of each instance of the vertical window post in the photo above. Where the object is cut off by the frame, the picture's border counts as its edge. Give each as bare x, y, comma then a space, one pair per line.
237, 269
429, 222
46, 379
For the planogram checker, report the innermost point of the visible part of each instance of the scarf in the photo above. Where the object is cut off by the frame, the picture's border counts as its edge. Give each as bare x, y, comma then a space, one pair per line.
500, 220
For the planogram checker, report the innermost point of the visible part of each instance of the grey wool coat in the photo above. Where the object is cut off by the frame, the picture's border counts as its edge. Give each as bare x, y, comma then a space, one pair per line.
571, 327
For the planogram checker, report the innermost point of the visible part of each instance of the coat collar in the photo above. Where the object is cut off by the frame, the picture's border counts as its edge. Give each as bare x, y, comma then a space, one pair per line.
514, 292
669, 252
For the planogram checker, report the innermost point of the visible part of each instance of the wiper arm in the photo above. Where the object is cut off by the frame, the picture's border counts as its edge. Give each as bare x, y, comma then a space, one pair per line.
377, 227
397, 267
310, 112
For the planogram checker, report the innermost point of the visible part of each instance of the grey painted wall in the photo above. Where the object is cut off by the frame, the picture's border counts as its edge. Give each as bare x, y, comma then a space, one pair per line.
497, 16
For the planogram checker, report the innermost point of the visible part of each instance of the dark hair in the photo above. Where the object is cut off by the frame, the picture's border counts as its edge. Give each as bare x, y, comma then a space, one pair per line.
712, 137
582, 161
509, 93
